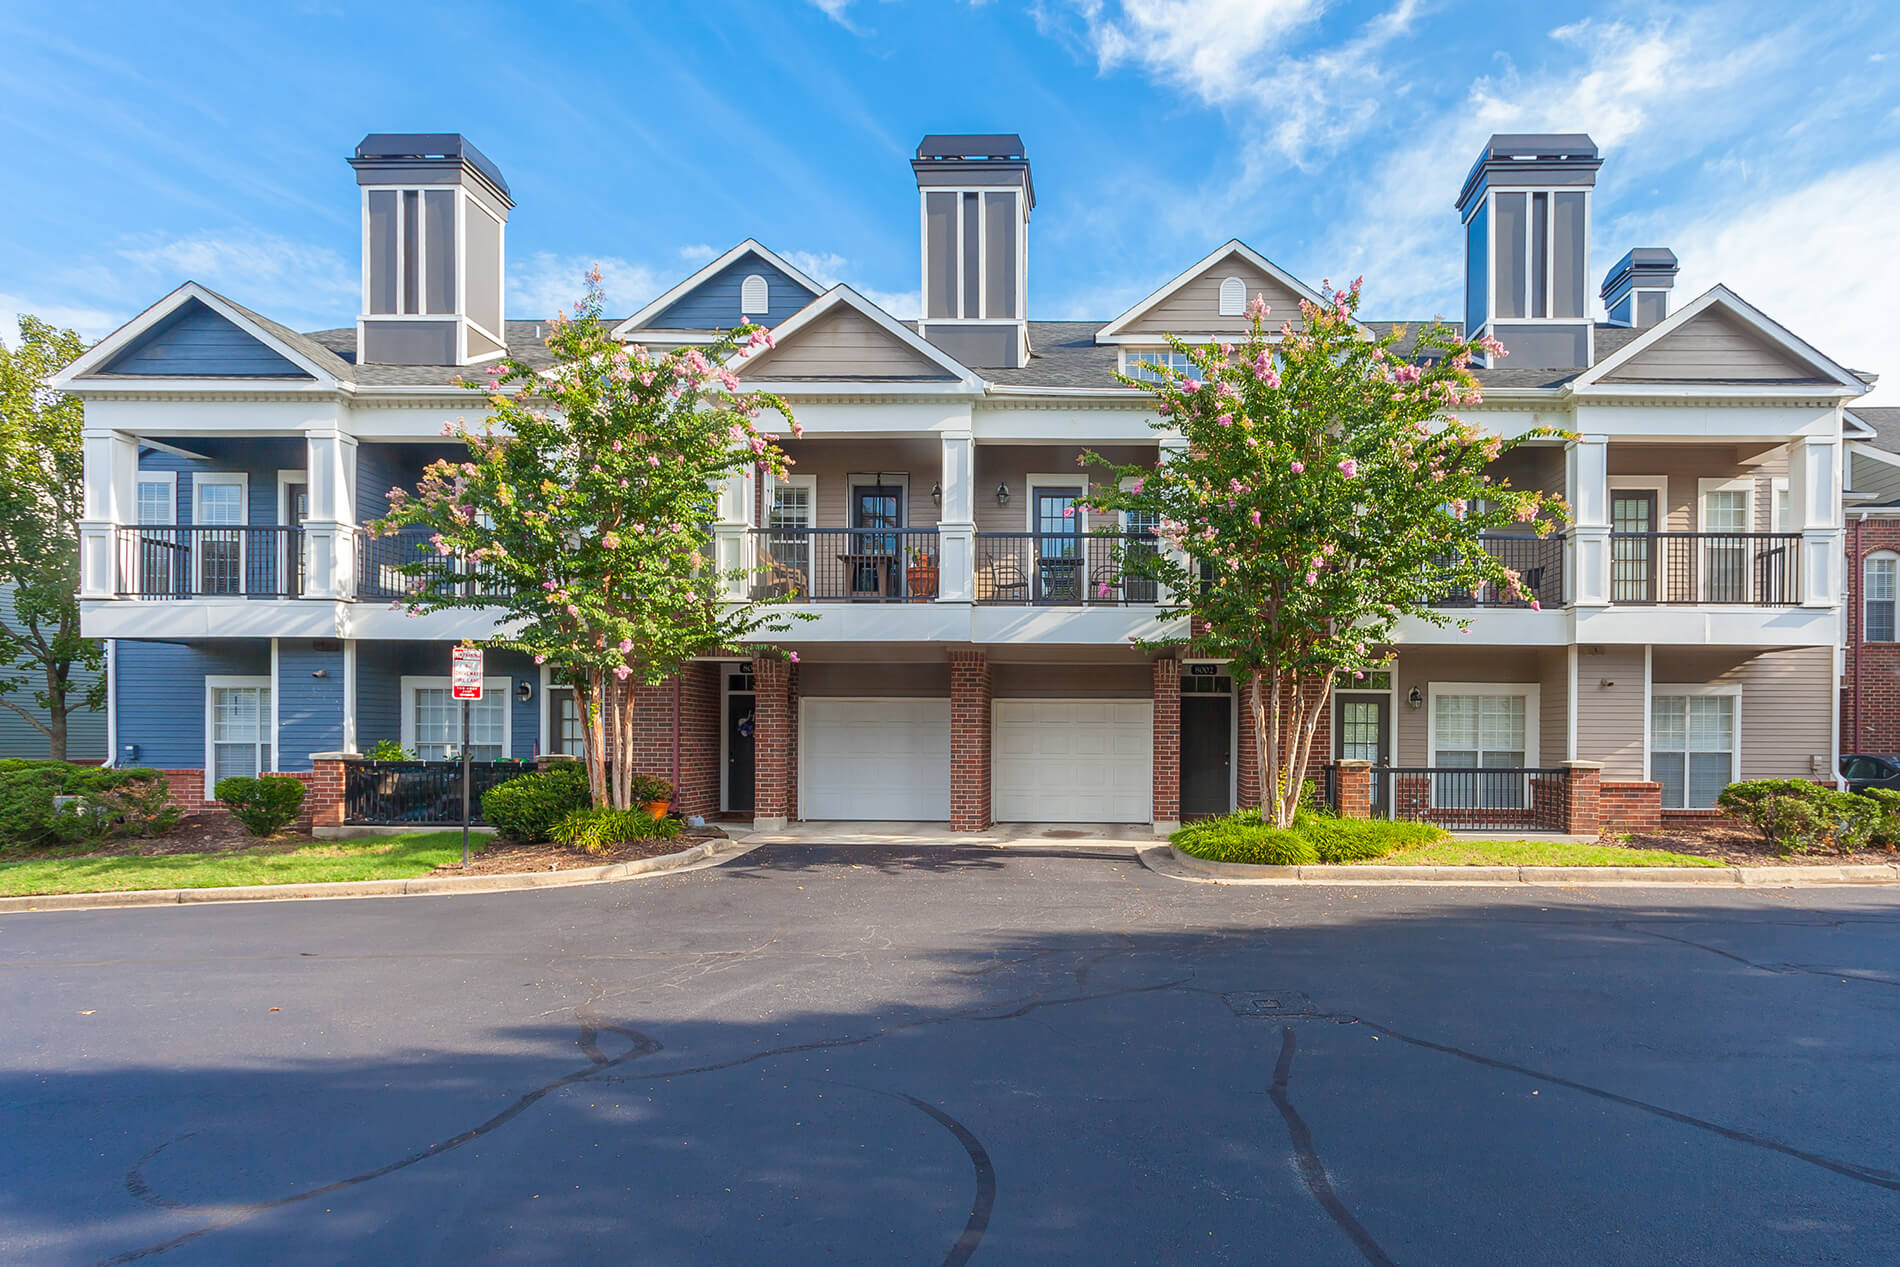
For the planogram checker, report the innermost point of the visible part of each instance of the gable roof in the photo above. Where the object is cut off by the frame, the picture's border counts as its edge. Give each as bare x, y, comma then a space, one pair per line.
1269, 278
1720, 340
262, 349
648, 317
839, 336
1879, 426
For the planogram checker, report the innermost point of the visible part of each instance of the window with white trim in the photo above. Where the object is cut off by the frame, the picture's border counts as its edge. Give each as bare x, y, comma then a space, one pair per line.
788, 539
1725, 547
1879, 584
1233, 297
158, 501
1480, 731
754, 296
564, 706
1691, 747
240, 716
1147, 364
438, 723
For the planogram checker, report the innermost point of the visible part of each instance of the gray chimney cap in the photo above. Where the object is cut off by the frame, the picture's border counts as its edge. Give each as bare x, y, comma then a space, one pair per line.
1004, 145
1536, 159
974, 158
409, 147
1641, 268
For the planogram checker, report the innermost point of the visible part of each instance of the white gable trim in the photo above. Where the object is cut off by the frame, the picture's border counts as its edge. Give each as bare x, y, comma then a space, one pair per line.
103, 351
1114, 331
1730, 302
751, 246
1853, 428
843, 295
1863, 449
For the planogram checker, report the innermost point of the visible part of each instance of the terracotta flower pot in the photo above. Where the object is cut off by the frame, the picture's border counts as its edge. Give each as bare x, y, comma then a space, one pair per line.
656, 808
922, 579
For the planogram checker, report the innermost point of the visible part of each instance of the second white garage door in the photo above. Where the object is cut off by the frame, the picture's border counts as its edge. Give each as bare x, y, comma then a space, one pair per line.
1072, 761
880, 759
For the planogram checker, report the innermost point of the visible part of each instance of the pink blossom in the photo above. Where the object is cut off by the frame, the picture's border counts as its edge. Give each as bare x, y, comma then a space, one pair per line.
1225, 420
572, 610
793, 657
1298, 468
626, 645
1312, 578
1137, 485
1536, 606
622, 672
1349, 468
1068, 512
1102, 590
1258, 307
1255, 516
1191, 385
653, 461
540, 659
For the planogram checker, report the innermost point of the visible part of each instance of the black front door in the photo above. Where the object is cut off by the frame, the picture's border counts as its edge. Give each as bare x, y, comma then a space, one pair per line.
740, 711
1059, 576
877, 517
1207, 754
1360, 733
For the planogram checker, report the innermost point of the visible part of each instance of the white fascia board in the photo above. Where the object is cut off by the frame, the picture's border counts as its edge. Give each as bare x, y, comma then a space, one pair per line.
110, 346
1862, 449
1233, 246
751, 246
1853, 428
1754, 318
798, 388
843, 294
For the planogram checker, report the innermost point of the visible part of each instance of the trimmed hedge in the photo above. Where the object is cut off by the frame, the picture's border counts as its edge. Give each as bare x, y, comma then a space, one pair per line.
1313, 838
111, 802
265, 805
528, 808
1797, 816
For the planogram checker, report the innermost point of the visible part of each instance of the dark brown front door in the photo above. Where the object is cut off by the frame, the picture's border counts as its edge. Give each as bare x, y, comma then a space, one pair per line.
1361, 733
1634, 547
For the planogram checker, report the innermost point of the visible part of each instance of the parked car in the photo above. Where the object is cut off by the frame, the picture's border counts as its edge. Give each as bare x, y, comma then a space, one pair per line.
1863, 771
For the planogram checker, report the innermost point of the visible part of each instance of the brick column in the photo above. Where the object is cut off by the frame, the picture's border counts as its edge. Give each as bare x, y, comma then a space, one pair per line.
1582, 797
1167, 746
772, 744
969, 741
1355, 787
323, 790
1246, 751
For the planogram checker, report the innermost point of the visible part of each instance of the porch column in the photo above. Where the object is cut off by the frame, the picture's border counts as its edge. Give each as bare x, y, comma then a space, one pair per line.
1582, 797
1587, 485
773, 771
956, 527
732, 542
323, 791
969, 740
1172, 448
1355, 787
1167, 746
1814, 499
110, 499
329, 546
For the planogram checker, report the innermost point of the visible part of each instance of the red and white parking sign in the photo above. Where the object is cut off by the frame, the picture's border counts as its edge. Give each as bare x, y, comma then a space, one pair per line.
465, 673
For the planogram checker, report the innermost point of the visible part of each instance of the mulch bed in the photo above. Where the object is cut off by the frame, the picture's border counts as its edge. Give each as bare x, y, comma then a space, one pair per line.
195, 833
1738, 846
505, 857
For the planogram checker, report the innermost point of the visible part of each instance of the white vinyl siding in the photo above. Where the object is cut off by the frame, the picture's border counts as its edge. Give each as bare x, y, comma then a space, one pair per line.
1692, 747
238, 728
1878, 585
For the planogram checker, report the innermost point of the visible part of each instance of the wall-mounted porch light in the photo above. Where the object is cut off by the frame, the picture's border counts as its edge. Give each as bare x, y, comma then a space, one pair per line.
1415, 697
1002, 494
936, 494
524, 691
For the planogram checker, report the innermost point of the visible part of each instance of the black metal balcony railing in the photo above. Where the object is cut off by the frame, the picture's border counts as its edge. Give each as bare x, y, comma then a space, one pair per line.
836, 565
393, 793
193, 562
1061, 569
1467, 799
380, 564
1538, 561
1759, 569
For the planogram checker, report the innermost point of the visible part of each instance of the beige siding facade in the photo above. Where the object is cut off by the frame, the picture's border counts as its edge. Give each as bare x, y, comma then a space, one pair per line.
1195, 307
1712, 346
1533, 466
1014, 464
1610, 708
1787, 708
843, 344
1685, 466
835, 465
1071, 681
1547, 669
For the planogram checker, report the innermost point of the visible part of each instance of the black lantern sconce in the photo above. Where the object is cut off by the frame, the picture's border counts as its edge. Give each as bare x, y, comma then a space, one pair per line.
1002, 494
1415, 698
524, 691
936, 494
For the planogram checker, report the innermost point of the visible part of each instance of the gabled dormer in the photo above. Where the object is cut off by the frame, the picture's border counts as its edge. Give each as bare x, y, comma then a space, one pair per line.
1720, 344
842, 343
195, 338
747, 284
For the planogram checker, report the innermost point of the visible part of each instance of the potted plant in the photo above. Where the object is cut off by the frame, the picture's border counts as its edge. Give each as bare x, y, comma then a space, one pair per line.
921, 574
653, 794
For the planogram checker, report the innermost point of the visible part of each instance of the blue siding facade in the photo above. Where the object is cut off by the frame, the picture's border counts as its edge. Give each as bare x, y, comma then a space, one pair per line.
195, 342
260, 460
161, 694
379, 692
714, 303
381, 467
309, 708
85, 727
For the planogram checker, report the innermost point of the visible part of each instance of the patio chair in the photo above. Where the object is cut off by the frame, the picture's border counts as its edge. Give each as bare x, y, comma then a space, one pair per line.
1006, 581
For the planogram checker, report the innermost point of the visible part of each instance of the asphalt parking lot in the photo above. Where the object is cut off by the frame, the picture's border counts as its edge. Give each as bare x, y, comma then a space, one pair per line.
942, 1055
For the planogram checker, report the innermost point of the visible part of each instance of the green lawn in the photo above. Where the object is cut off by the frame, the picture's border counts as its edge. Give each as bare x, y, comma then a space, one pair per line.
383, 858
1535, 853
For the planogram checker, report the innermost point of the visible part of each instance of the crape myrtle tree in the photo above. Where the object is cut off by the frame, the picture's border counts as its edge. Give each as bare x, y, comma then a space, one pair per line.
41, 493
1322, 491
583, 511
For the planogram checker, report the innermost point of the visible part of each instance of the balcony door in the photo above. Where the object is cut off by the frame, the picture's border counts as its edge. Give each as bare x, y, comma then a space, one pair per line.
219, 516
1727, 515
294, 508
877, 523
1634, 548
1057, 524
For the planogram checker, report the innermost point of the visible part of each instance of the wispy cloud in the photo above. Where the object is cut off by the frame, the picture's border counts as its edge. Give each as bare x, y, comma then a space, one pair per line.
93, 323
828, 268
543, 283
838, 11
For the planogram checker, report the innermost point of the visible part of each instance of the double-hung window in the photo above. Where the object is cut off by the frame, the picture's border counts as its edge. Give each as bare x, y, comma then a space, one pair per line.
1725, 543
1480, 731
219, 518
1691, 746
1879, 576
788, 535
238, 722
1148, 364
438, 722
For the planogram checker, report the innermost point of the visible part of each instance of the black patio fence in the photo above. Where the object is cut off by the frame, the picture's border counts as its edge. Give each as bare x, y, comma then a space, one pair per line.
419, 793
1467, 799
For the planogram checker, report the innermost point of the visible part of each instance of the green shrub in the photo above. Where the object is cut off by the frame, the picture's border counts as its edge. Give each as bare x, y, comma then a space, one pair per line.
1361, 840
1314, 837
27, 813
599, 830
1796, 816
390, 750
265, 805
128, 802
648, 788
1886, 832
527, 808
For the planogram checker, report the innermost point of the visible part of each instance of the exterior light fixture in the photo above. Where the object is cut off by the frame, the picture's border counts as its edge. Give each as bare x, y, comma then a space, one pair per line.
1002, 494
936, 494
524, 691
1415, 698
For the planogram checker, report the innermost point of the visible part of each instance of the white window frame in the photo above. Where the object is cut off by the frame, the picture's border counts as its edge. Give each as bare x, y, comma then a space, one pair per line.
1724, 484
241, 480
168, 480
1229, 306
463, 200
1777, 518
502, 687
872, 479
284, 481
1531, 691
754, 302
214, 682
1666, 690
1894, 622
1134, 356
810, 484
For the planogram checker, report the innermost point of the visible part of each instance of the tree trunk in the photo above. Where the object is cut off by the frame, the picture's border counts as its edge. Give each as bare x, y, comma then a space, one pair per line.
593, 741
56, 715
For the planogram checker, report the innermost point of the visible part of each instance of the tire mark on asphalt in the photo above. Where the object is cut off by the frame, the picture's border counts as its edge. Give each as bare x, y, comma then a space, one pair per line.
1779, 969
985, 1200
1312, 1169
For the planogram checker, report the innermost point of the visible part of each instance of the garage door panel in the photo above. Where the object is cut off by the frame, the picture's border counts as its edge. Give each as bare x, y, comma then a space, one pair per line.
1073, 760
876, 759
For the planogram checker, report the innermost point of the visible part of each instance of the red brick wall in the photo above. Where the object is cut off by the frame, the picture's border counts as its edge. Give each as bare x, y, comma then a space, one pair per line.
700, 722
773, 740
1582, 799
188, 790
1167, 741
1625, 806
1247, 752
1877, 726
970, 741
323, 794
1355, 789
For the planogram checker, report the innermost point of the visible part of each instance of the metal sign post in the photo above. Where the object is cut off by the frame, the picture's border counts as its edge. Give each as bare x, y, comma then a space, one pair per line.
465, 684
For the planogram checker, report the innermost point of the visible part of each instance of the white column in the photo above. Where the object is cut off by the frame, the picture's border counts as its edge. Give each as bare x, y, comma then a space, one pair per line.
1814, 501
732, 540
956, 526
330, 529
110, 500
1172, 448
1587, 486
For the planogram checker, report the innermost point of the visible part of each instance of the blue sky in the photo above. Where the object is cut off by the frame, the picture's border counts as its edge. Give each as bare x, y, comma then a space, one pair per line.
150, 144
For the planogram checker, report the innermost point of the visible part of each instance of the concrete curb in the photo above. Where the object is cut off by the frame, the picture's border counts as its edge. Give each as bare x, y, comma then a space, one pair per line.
426, 885
1169, 861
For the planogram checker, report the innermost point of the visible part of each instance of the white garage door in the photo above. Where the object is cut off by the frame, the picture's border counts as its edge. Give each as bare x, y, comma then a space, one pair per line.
876, 759
1072, 761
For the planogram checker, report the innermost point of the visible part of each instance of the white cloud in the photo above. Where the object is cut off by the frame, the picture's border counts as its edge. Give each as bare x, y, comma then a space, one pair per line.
838, 11
699, 253
273, 274
541, 284
828, 268
93, 323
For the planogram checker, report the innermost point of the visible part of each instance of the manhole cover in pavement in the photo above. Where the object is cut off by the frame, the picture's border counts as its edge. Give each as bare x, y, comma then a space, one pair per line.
1270, 1003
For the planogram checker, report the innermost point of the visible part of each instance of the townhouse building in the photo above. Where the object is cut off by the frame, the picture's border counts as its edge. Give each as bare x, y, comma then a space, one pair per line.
970, 656
1870, 677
